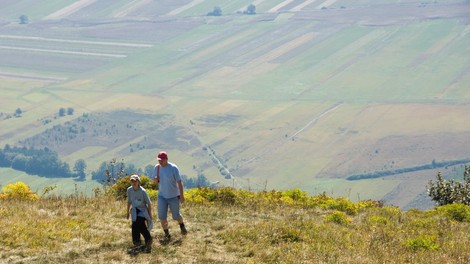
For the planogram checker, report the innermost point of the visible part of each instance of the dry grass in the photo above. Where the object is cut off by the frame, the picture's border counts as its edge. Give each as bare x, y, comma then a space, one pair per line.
270, 227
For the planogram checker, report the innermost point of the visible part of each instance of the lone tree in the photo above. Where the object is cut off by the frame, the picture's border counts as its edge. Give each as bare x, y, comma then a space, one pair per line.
62, 111
450, 191
216, 12
18, 112
80, 167
70, 111
250, 10
23, 19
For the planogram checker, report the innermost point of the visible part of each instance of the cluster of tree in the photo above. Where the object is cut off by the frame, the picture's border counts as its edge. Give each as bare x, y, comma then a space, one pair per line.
433, 165
17, 113
109, 173
200, 181
217, 11
62, 111
43, 162
450, 191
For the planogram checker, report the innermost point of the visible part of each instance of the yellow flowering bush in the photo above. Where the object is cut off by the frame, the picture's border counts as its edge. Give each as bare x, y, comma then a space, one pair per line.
19, 191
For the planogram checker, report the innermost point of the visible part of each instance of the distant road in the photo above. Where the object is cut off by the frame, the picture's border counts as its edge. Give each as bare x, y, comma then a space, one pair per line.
310, 123
103, 43
313, 121
65, 52
185, 7
133, 5
15, 75
68, 10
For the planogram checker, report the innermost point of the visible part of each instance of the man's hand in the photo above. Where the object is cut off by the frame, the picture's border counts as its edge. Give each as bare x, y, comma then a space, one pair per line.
127, 215
181, 199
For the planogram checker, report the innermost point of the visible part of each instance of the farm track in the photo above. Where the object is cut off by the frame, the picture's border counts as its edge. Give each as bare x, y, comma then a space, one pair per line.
132, 6
185, 7
68, 10
311, 122
102, 43
24, 76
65, 52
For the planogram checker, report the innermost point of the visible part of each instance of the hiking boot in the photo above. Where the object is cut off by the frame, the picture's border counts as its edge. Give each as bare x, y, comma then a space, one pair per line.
183, 230
137, 243
167, 235
147, 250
148, 245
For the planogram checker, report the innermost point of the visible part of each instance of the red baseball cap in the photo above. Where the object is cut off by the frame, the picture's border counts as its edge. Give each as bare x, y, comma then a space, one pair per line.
162, 155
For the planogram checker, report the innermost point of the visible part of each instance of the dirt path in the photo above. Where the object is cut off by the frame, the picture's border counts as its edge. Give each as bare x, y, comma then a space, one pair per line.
279, 6
313, 121
185, 7
24, 76
327, 3
65, 52
68, 10
130, 7
103, 43
304, 4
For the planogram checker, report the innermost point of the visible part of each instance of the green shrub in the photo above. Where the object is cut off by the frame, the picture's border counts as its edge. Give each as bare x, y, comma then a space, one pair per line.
205, 195
338, 218
344, 205
296, 194
390, 212
457, 212
285, 234
119, 189
422, 243
378, 220
227, 196
450, 191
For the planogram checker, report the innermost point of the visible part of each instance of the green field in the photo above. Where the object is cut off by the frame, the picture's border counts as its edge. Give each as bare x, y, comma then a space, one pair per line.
296, 96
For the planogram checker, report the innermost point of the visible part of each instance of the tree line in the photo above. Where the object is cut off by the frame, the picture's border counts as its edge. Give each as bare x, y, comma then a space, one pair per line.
45, 162
111, 172
42, 162
433, 165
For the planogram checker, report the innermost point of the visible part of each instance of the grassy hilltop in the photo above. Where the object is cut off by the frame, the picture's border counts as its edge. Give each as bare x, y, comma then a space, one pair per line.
233, 226
299, 94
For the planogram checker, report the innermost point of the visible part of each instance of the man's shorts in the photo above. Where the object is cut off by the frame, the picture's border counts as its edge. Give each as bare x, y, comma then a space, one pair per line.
172, 203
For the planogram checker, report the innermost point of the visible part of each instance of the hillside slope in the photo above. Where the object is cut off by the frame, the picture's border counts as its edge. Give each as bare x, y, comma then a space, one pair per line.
227, 226
300, 94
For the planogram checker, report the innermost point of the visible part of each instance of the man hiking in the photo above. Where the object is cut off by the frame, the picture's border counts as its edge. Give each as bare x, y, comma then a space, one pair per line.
170, 193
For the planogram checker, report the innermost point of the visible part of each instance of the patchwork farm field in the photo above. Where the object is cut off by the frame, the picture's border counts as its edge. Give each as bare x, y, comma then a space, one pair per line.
301, 94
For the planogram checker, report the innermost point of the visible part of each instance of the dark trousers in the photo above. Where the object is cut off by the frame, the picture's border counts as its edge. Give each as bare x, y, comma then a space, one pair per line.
139, 227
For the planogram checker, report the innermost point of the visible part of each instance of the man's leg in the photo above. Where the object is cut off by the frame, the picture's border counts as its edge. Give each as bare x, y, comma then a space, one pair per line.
174, 204
162, 215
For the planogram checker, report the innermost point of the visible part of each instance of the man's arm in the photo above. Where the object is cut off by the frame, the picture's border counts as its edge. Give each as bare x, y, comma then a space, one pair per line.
156, 176
180, 185
128, 209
